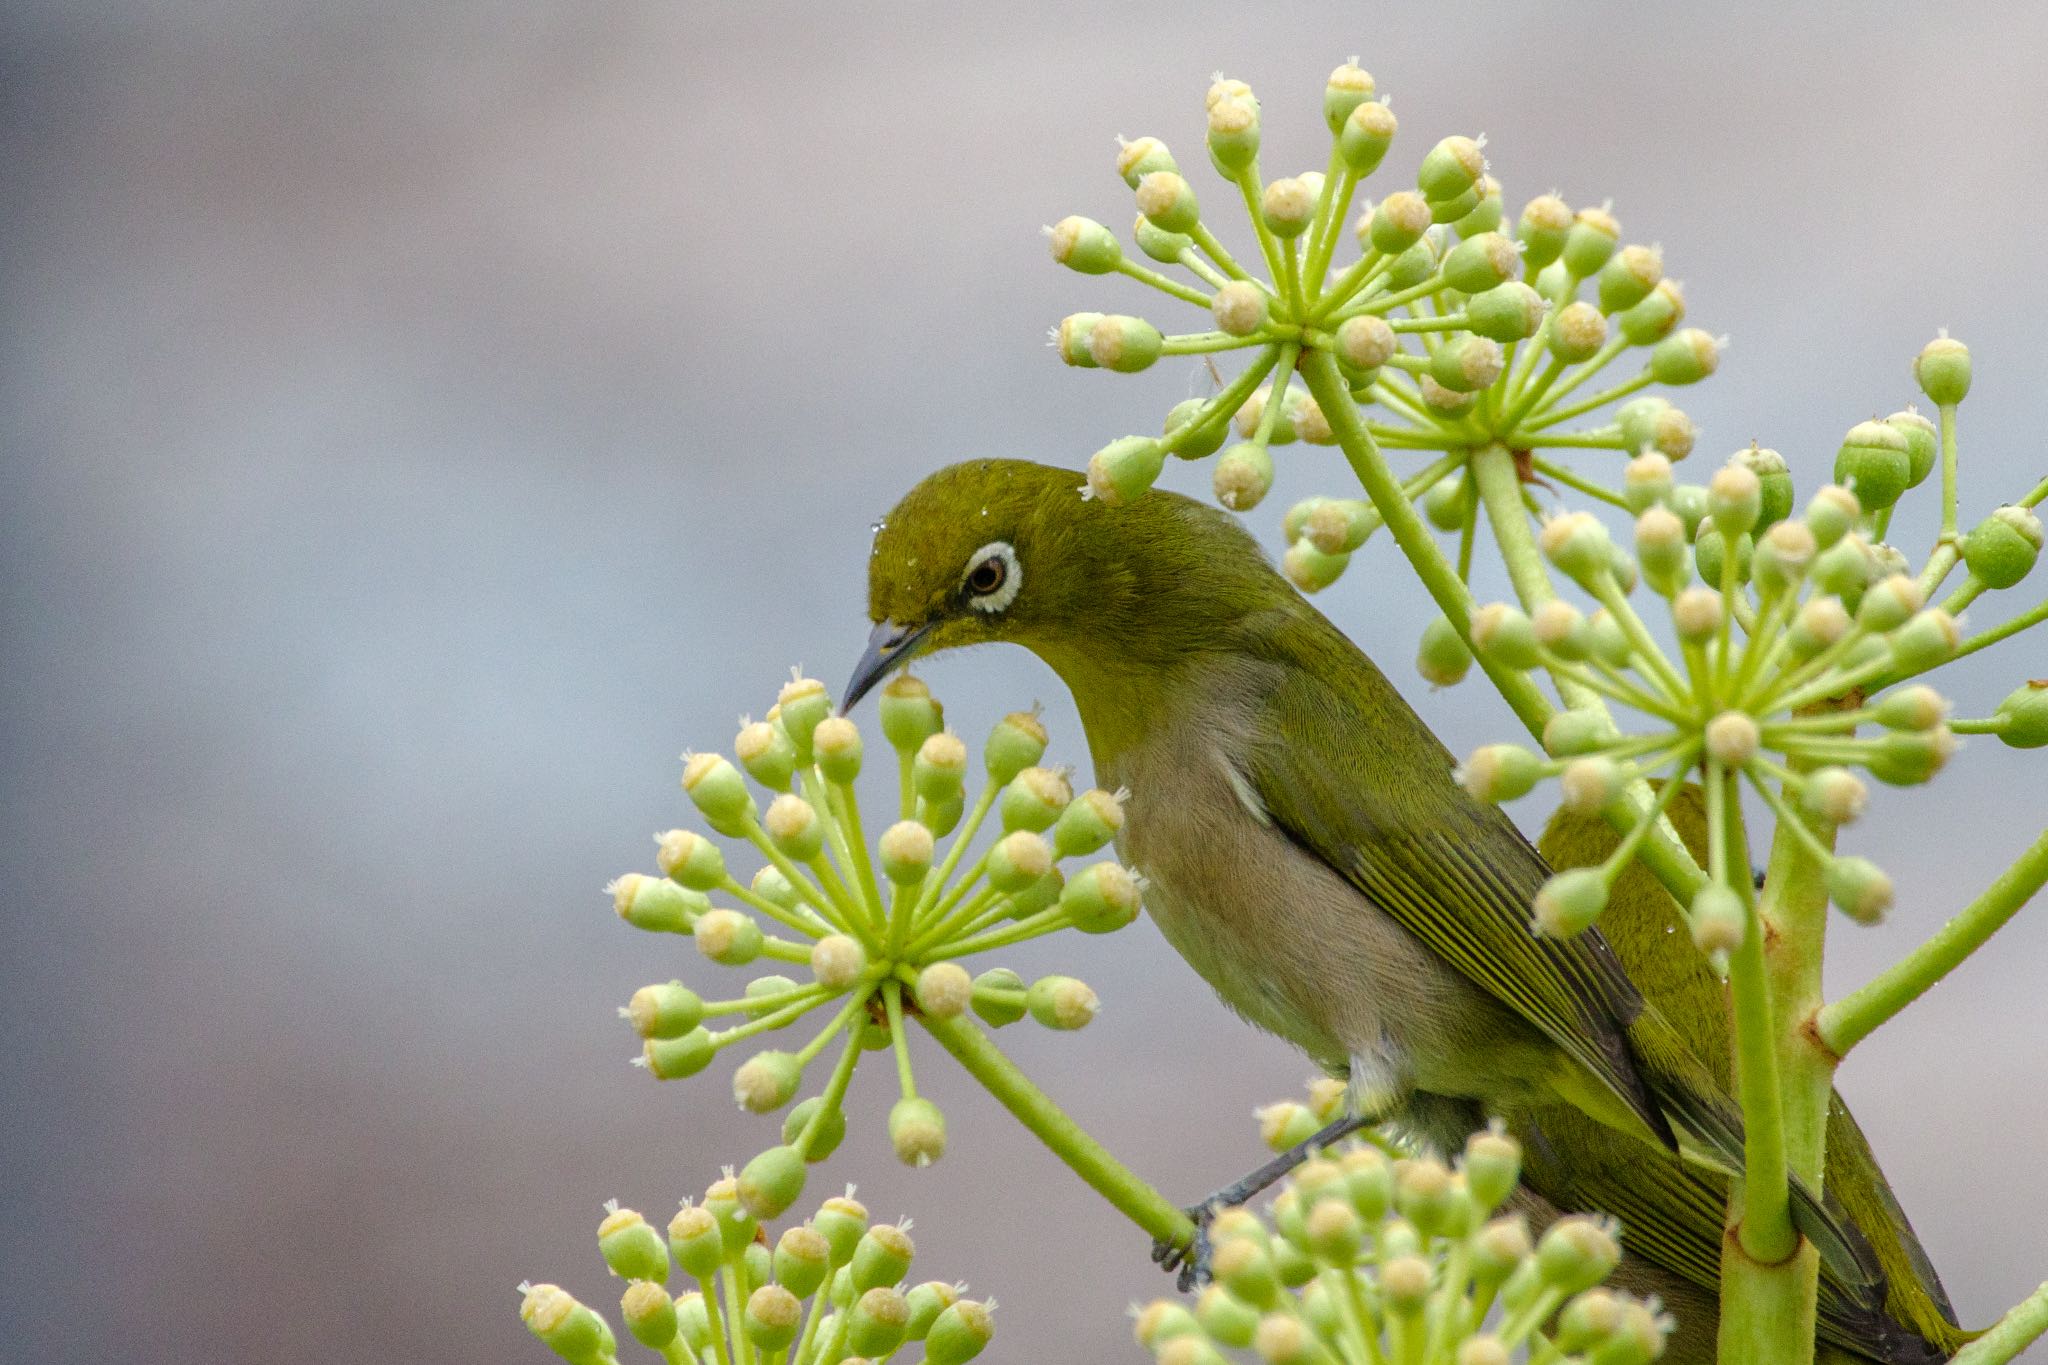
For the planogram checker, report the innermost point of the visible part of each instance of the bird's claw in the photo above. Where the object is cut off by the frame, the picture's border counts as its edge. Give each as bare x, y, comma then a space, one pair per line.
1190, 1258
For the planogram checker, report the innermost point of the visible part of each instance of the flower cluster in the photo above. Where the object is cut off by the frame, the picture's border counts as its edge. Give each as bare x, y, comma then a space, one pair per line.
1369, 1255
1452, 331
878, 937
749, 1302
1794, 635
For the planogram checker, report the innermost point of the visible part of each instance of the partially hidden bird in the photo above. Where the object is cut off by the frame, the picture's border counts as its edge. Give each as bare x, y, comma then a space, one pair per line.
1306, 848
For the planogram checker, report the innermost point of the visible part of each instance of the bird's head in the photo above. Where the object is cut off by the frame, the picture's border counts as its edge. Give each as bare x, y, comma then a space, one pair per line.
1008, 550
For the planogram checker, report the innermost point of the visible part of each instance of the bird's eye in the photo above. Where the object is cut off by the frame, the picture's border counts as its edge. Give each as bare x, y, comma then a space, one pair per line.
992, 578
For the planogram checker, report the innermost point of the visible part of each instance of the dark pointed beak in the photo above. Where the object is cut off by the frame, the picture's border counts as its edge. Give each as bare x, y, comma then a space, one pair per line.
890, 646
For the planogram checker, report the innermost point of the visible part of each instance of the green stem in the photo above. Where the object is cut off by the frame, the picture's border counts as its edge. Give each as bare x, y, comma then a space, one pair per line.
1225, 404
1110, 1178
1162, 283
835, 1089
892, 1000
1848, 1021
2013, 1333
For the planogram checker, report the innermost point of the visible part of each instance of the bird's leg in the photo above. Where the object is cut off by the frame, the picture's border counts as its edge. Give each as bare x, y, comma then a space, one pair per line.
1192, 1258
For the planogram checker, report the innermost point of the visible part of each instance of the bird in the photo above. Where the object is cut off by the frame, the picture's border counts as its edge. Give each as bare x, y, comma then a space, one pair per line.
1305, 847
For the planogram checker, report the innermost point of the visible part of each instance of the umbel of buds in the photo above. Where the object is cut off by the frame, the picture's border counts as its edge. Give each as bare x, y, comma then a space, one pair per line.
713, 1288
865, 941
1453, 328
1799, 637
1370, 1254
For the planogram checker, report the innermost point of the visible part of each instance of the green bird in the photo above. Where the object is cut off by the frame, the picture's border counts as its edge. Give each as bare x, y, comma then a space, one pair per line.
1307, 850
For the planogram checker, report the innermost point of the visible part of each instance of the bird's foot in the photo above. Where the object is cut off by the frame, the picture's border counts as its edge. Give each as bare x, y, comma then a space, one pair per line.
1190, 1258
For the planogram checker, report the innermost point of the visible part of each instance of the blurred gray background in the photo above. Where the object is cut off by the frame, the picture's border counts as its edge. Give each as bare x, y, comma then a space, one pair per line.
422, 422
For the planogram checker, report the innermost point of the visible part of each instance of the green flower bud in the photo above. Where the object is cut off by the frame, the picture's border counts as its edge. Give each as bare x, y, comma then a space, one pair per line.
1503, 633
1168, 201
716, 788
1140, 157
1589, 241
1710, 550
2023, 716
1833, 795
958, 1334
695, 1242
1061, 1002
1732, 738
2002, 548
1288, 205
1577, 1253
1577, 730
1073, 337
1334, 526
771, 1182
772, 1317
649, 1313
909, 715
1451, 168
1368, 1182
1161, 1321
1042, 894
688, 858
655, 904
1577, 543
837, 961
1233, 134
1347, 88
1240, 307
1922, 444
926, 1302
1017, 860
1486, 215
1443, 658
1783, 555
906, 853
1033, 799
1498, 1248
1499, 772
1243, 477
668, 1010
1507, 312
632, 1249
727, 937
1874, 463
1734, 498
1089, 822
881, 1257
1404, 1285
1486, 1349
1395, 225
836, 747
1165, 247
1943, 370
1685, 357
1915, 707
1424, 1193
998, 997
841, 1221
1697, 614
1589, 783
1832, 514
1588, 1320
940, 768
1661, 546
1562, 629
765, 994
1928, 639
1479, 263
1774, 482
1718, 919
1466, 363
1569, 902
1310, 569
1244, 1267
1085, 245
1890, 604
802, 1259
1367, 133
1230, 1321
1493, 1166
1285, 1125
566, 1327
1124, 344
794, 827
767, 1080
1542, 228
917, 1130
1635, 418
1101, 898
1819, 623
1906, 758
1845, 568
1253, 414
1365, 342
1650, 321
672, 1059
1577, 331
1626, 278
1412, 266
1205, 442
830, 1133
1859, 888
1124, 469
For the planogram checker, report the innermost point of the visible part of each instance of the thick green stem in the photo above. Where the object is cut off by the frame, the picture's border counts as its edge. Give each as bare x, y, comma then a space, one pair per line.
1090, 1160
2013, 1333
1794, 913
1851, 1019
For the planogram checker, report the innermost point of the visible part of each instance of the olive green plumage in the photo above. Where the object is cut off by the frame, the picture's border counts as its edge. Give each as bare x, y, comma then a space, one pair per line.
1309, 853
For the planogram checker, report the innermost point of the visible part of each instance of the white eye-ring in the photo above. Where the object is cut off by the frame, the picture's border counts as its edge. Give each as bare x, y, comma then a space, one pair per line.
993, 577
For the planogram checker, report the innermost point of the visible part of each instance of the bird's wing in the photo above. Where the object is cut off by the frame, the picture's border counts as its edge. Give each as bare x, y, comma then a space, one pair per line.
1359, 782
